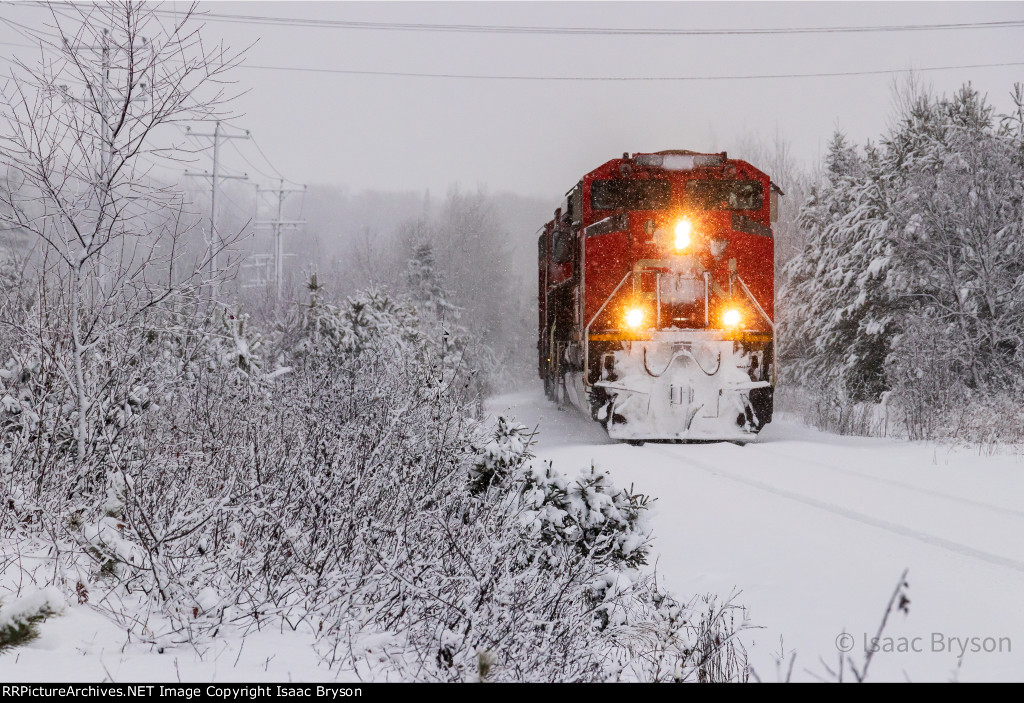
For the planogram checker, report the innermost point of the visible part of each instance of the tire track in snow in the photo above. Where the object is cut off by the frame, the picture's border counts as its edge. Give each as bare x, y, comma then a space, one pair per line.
900, 530
891, 482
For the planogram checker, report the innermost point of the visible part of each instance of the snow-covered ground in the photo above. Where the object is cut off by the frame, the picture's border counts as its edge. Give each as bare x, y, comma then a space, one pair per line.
83, 646
815, 530
812, 529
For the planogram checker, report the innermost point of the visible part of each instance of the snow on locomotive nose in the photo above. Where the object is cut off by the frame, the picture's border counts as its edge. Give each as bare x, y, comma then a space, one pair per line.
656, 297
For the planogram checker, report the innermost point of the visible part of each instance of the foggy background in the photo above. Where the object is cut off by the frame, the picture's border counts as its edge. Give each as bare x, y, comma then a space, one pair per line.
512, 103
536, 137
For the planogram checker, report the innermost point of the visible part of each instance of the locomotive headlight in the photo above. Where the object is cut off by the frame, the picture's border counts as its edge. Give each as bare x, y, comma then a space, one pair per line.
683, 229
634, 317
732, 318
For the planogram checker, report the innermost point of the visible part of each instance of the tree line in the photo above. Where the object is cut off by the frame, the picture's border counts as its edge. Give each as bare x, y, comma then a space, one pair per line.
909, 292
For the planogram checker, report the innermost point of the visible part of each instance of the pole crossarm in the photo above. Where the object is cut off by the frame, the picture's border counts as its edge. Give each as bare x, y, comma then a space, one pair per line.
189, 174
189, 132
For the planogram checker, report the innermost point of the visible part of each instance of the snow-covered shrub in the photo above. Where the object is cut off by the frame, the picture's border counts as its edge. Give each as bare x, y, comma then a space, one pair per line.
824, 406
587, 514
536, 574
354, 494
501, 456
238, 347
20, 616
116, 509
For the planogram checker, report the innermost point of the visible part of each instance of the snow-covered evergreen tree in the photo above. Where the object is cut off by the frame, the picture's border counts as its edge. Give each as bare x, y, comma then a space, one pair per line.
914, 248
425, 285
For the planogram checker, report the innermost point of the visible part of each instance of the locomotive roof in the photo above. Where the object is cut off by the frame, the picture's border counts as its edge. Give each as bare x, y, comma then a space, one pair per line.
714, 160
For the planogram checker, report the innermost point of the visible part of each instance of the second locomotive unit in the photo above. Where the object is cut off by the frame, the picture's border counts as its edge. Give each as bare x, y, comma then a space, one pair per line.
656, 297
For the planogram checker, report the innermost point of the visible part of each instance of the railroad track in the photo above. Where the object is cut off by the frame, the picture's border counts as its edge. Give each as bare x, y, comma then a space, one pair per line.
838, 510
891, 482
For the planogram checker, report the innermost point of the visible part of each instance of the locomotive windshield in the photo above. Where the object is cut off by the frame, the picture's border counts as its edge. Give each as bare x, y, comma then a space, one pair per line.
724, 195
630, 194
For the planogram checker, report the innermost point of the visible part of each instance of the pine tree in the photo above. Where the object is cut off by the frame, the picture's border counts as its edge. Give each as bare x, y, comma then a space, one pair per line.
911, 279
808, 310
424, 284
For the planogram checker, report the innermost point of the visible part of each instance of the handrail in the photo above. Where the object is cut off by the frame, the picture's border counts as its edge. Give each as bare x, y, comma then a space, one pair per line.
607, 300
775, 348
586, 331
756, 304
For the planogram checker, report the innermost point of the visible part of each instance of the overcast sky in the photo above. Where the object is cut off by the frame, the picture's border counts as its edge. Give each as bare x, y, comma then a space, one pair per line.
537, 137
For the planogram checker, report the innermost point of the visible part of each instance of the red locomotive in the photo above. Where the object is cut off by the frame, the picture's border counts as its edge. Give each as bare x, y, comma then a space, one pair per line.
656, 297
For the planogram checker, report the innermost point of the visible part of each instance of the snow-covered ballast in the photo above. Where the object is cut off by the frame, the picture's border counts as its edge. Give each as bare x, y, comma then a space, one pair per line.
656, 297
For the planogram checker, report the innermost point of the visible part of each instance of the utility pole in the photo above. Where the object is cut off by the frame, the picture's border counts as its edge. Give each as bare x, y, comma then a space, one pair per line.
278, 225
215, 178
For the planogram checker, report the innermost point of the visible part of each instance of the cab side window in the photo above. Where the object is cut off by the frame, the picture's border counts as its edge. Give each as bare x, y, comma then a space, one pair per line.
561, 249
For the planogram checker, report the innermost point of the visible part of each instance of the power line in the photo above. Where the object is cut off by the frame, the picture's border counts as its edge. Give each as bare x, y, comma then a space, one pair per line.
228, 172
619, 79
593, 31
253, 166
582, 30
255, 142
272, 167
269, 163
252, 140
762, 76
596, 31
279, 225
